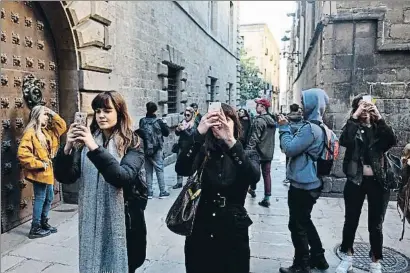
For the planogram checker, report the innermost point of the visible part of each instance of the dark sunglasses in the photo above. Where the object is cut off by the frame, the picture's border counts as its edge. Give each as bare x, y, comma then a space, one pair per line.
187, 115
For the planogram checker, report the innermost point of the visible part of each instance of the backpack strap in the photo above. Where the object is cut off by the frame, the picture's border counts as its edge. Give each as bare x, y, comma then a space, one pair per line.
318, 123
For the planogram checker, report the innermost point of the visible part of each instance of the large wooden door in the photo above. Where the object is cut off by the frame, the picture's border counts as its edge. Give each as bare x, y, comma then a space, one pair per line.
28, 77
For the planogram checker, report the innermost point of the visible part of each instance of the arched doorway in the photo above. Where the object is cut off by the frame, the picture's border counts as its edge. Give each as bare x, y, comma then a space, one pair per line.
30, 55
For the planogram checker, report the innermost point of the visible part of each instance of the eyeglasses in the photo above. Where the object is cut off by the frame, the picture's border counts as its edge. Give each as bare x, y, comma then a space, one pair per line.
187, 115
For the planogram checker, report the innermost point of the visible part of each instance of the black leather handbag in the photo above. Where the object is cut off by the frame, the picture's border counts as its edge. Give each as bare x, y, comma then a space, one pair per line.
181, 216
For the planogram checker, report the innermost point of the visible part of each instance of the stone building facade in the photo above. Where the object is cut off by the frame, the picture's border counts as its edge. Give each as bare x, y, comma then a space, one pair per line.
171, 52
259, 43
348, 48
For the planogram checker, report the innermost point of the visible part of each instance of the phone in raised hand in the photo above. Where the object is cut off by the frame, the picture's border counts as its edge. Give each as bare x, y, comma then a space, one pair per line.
80, 118
214, 106
367, 98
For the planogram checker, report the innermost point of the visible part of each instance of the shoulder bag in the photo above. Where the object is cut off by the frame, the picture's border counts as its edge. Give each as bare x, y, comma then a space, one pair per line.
181, 216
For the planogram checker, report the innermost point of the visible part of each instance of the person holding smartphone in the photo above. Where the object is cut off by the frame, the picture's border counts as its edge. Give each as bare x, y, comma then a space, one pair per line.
220, 237
366, 137
37, 148
112, 230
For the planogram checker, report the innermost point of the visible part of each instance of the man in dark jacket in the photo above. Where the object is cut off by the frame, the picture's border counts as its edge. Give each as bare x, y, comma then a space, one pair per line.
263, 139
153, 130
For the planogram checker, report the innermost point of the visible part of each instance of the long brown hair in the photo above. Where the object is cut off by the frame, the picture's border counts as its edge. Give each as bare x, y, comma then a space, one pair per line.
122, 133
211, 141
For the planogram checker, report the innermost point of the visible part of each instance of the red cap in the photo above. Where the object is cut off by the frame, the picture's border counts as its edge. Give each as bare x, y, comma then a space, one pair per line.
263, 102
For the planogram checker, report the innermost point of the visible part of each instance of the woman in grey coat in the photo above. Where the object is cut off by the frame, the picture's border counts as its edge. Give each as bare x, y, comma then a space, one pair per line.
112, 229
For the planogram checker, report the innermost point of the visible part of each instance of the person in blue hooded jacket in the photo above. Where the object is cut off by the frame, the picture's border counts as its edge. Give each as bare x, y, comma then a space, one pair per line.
302, 149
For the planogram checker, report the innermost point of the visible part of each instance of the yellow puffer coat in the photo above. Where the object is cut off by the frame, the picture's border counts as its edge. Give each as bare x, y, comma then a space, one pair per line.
32, 154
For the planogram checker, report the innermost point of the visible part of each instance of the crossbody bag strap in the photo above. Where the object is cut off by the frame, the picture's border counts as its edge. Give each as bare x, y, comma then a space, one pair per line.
203, 167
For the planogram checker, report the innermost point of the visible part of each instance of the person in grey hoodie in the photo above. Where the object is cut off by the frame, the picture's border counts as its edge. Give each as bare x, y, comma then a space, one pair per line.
263, 139
305, 186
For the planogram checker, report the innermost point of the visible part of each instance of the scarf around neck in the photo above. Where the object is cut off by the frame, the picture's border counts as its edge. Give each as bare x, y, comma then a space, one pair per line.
102, 234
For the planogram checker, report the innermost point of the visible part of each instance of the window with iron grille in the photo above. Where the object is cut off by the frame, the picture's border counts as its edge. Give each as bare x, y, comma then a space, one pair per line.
213, 14
173, 87
230, 91
213, 89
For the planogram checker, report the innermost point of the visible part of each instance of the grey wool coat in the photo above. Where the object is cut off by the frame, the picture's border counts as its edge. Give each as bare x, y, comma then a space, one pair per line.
102, 175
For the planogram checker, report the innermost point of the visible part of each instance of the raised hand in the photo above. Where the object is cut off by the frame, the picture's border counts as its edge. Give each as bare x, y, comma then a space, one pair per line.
209, 120
374, 112
71, 138
282, 120
84, 135
360, 109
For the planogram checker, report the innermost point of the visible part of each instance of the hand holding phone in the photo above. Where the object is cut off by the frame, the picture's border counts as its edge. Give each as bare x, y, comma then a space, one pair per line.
214, 106
282, 120
80, 119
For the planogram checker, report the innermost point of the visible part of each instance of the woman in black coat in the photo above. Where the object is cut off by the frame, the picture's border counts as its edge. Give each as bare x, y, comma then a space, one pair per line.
184, 131
246, 124
220, 240
106, 159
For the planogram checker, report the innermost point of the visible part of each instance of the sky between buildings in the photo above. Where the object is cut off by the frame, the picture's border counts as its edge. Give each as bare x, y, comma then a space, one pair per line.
273, 13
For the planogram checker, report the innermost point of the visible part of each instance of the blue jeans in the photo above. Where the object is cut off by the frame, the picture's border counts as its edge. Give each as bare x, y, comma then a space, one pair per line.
155, 162
43, 197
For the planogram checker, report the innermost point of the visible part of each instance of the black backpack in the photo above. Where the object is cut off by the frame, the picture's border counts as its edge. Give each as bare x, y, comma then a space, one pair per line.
150, 132
138, 192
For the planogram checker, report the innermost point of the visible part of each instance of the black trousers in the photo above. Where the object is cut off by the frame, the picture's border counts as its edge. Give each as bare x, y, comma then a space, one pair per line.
377, 199
136, 240
302, 229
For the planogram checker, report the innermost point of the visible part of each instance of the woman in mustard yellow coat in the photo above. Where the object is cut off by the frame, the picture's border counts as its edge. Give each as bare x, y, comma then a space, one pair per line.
38, 146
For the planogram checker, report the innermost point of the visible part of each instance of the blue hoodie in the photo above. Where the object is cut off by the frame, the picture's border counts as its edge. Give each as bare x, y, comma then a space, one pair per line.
301, 170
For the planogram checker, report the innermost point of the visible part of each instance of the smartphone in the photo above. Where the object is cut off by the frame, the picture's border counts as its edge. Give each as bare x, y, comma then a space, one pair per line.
367, 98
214, 106
80, 118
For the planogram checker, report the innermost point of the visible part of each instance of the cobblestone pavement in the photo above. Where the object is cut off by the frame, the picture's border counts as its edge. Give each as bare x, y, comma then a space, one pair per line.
271, 246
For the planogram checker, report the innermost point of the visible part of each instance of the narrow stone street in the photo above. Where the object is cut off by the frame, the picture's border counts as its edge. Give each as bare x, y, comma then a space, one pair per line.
271, 246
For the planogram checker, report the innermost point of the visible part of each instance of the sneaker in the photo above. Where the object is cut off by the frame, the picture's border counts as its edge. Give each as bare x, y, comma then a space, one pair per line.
163, 195
37, 232
252, 193
286, 181
375, 267
294, 269
46, 226
264, 203
150, 195
346, 265
319, 262
177, 186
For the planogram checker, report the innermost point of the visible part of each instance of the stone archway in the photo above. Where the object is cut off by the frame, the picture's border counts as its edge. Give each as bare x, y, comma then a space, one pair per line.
82, 40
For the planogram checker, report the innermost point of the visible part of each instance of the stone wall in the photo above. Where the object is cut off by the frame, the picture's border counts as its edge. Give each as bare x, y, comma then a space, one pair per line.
362, 48
128, 46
